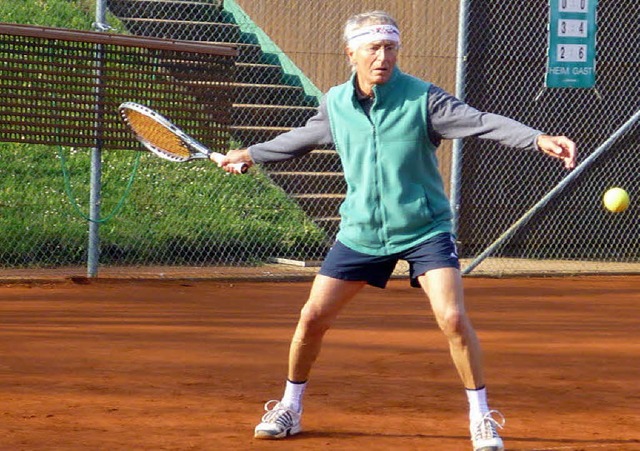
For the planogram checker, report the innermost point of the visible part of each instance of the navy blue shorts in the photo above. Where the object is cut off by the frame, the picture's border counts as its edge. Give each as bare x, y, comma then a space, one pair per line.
344, 263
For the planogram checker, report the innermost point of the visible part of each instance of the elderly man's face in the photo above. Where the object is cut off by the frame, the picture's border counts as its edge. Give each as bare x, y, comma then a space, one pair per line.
374, 63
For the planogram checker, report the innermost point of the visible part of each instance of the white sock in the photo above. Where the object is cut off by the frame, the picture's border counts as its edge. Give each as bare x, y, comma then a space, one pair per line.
293, 393
477, 403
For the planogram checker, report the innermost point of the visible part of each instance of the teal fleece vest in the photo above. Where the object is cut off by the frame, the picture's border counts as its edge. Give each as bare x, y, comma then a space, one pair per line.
395, 196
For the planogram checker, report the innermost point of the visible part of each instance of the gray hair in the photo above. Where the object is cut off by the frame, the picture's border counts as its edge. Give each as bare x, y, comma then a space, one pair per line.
365, 19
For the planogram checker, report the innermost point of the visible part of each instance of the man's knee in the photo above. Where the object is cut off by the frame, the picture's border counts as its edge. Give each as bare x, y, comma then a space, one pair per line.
455, 324
313, 321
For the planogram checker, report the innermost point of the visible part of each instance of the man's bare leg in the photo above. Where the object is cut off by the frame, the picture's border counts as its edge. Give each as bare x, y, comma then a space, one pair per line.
327, 298
444, 288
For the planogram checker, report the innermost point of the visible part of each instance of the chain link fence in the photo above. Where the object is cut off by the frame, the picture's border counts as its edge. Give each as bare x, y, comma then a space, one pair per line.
573, 232
289, 53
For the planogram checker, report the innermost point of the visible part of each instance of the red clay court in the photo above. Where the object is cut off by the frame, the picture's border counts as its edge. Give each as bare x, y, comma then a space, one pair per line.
124, 364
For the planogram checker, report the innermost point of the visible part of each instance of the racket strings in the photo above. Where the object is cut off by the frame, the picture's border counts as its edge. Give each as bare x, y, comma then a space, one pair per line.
156, 134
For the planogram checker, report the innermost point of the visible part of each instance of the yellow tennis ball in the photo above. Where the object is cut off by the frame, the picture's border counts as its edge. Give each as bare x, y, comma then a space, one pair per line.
616, 200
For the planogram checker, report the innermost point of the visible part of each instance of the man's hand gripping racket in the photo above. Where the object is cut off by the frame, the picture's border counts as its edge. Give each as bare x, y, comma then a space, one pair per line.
166, 140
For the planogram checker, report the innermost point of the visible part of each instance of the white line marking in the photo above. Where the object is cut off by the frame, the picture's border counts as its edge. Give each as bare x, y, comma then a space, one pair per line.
573, 447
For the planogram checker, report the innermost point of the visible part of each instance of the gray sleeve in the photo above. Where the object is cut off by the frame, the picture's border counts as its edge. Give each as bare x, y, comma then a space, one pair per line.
451, 118
296, 142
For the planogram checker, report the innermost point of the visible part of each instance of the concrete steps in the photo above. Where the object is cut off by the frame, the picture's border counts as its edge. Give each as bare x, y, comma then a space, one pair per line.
263, 106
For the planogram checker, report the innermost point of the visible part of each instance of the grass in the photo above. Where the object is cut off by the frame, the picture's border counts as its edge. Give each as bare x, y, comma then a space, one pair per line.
174, 214
74, 14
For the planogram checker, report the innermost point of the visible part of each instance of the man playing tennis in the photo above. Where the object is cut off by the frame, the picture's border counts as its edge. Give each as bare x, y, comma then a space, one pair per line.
386, 126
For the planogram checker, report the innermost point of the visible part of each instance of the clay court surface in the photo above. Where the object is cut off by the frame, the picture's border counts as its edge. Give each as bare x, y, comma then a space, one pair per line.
124, 364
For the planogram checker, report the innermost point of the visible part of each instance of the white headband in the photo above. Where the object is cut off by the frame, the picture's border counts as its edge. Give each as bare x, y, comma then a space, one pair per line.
373, 33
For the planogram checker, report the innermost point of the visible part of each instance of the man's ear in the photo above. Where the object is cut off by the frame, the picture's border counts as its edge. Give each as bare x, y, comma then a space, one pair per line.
349, 53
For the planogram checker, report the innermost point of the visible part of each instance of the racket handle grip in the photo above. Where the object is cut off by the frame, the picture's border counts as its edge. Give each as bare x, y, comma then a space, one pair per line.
239, 168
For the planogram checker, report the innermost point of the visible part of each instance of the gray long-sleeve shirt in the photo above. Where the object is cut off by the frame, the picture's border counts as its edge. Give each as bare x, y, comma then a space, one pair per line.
449, 118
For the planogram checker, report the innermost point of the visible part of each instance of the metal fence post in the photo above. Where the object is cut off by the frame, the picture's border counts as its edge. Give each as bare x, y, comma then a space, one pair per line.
456, 157
93, 251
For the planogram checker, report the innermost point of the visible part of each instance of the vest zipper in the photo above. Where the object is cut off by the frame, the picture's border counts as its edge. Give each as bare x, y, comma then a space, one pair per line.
382, 232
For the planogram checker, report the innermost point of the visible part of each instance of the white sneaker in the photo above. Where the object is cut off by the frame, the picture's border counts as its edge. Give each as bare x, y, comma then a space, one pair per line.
484, 433
278, 422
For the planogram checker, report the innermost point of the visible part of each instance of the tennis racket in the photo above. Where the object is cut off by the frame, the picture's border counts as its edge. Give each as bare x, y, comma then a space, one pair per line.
166, 140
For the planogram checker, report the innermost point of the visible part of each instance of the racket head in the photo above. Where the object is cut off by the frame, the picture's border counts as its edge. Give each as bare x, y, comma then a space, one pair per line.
159, 135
